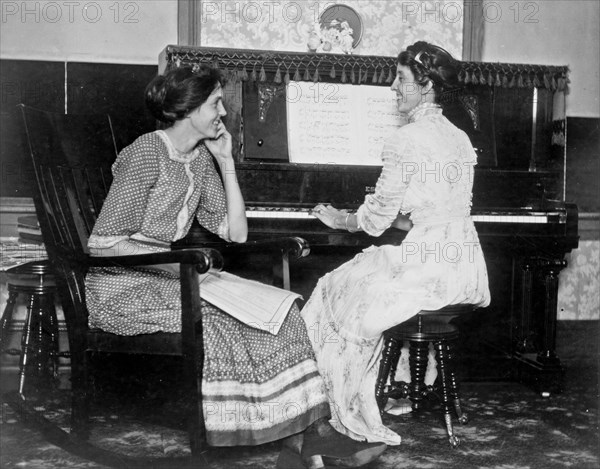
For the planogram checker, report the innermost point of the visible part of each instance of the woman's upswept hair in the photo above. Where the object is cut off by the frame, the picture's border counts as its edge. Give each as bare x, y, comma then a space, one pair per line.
431, 63
172, 96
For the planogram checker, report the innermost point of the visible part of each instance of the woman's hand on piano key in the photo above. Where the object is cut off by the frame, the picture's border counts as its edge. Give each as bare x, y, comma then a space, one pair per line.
330, 216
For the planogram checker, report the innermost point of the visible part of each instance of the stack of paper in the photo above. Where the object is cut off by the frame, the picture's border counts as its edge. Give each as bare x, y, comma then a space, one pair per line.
14, 253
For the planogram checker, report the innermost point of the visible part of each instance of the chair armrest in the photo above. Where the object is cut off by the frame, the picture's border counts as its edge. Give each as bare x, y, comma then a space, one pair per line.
287, 247
294, 246
204, 259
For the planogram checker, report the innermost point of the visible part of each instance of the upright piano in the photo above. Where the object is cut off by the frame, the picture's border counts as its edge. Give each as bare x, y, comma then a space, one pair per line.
513, 115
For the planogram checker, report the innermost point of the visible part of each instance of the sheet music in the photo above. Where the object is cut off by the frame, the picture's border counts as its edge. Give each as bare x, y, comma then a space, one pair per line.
256, 304
332, 123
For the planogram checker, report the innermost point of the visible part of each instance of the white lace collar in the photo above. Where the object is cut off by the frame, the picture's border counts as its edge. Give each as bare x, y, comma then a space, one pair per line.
423, 109
174, 153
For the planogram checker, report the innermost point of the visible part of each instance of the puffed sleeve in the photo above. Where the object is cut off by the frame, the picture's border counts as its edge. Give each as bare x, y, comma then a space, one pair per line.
212, 209
135, 172
381, 208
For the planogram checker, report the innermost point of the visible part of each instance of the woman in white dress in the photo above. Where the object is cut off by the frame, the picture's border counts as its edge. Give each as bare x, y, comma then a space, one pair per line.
425, 188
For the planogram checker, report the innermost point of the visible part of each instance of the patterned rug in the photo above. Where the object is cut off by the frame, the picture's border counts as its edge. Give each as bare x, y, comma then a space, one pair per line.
510, 427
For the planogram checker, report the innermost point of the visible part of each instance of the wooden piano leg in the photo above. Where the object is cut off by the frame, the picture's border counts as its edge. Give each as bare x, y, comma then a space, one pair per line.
543, 370
525, 341
551, 270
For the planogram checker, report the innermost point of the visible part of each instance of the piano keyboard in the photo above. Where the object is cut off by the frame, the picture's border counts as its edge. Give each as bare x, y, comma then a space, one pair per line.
304, 214
287, 214
510, 218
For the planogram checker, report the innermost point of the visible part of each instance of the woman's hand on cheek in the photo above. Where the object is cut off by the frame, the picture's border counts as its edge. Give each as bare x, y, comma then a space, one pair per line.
220, 146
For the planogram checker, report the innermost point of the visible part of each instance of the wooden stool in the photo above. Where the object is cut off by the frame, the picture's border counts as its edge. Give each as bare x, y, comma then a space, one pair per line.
39, 339
428, 327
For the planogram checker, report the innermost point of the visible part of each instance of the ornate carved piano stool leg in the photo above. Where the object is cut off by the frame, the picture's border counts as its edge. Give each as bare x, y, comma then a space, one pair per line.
417, 360
454, 390
381, 396
54, 336
39, 337
7, 316
444, 377
40, 346
46, 341
398, 389
25, 346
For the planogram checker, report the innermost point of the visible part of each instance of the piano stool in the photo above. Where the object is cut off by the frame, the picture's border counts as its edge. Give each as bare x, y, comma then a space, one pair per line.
427, 327
39, 340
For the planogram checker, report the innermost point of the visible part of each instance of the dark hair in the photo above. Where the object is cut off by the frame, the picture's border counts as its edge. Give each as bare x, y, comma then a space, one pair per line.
431, 63
172, 96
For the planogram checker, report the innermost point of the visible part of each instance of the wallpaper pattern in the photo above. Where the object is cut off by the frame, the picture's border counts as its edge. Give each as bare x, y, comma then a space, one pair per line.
389, 26
579, 284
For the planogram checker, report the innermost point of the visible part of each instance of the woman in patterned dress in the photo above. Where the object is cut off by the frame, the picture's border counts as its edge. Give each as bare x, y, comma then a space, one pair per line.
257, 387
425, 188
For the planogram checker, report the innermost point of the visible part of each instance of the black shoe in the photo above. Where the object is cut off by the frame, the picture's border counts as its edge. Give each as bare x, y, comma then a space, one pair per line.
359, 458
289, 459
340, 450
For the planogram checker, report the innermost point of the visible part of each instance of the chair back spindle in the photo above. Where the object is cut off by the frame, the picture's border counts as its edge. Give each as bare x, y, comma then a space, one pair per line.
72, 157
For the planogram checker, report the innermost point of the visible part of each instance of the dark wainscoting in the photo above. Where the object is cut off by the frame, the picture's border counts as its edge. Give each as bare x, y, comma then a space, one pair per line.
583, 163
37, 84
115, 89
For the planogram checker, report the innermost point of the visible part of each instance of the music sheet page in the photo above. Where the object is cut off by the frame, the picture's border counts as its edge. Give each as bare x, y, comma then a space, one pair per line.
331, 123
254, 303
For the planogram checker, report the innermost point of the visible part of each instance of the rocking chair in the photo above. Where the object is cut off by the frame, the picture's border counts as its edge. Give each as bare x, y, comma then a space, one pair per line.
72, 156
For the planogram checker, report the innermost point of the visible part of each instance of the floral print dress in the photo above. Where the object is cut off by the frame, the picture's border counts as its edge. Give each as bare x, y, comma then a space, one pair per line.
257, 387
427, 173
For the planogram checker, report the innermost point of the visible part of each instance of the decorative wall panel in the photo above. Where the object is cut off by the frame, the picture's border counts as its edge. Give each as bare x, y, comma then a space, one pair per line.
389, 26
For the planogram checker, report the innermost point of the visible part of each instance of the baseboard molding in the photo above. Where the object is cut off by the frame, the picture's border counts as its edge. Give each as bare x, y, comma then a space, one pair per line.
589, 226
578, 339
